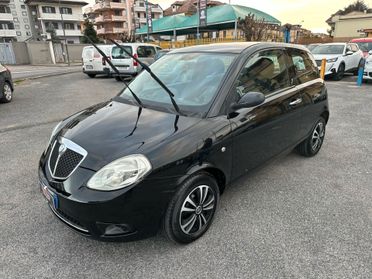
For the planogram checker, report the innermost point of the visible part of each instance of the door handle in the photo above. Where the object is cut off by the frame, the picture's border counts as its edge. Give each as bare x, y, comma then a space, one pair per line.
296, 102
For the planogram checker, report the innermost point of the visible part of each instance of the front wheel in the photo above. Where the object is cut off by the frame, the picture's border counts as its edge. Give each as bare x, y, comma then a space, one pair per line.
7, 93
92, 75
311, 146
340, 72
191, 211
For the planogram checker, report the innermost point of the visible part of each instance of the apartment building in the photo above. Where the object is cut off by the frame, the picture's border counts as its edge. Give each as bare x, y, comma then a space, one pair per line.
64, 16
114, 18
7, 31
21, 19
139, 12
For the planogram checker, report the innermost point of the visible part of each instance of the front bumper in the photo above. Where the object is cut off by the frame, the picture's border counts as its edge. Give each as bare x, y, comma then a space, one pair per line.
126, 215
368, 71
330, 69
105, 71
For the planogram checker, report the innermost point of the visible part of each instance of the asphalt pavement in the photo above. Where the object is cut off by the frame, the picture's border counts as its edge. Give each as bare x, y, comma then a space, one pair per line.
294, 218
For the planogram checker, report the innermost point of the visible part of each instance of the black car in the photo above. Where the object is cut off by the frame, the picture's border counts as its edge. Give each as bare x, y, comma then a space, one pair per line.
6, 85
123, 169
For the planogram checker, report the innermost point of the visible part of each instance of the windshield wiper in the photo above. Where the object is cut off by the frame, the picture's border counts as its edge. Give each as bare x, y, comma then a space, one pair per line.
155, 77
115, 70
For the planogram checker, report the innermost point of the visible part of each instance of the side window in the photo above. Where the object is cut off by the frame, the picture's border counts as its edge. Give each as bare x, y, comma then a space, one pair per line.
303, 66
265, 72
348, 48
146, 51
354, 48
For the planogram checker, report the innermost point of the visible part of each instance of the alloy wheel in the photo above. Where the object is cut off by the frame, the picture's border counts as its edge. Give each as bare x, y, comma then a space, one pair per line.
7, 91
318, 136
197, 210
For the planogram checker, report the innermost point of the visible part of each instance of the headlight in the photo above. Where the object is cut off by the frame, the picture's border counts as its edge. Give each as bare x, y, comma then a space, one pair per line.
332, 60
120, 173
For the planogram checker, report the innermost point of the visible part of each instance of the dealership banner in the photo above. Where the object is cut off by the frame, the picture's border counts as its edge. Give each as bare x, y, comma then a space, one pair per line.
202, 12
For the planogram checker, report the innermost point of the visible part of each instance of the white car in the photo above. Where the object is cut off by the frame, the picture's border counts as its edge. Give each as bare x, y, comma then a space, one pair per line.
368, 67
341, 58
93, 62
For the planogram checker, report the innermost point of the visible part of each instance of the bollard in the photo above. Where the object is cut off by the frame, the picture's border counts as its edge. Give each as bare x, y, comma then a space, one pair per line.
361, 73
323, 68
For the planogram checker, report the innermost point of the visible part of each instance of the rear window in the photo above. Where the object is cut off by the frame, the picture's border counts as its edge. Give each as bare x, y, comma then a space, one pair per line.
118, 53
146, 51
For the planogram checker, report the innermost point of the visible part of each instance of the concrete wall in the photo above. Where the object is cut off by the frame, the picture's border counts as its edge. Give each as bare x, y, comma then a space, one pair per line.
39, 53
21, 53
74, 51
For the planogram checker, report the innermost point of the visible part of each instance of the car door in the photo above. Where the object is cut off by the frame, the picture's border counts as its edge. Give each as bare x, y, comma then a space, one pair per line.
357, 56
305, 74
264, 131
349, 59
87, 57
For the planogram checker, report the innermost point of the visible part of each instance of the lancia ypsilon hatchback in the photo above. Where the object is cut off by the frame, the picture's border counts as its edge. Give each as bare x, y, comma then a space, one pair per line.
159, 154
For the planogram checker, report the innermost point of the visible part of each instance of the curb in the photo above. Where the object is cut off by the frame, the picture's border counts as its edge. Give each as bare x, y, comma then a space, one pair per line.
46, 75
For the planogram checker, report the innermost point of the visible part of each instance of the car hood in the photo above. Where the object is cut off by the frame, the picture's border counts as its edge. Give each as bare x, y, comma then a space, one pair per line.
326, 56
111, 130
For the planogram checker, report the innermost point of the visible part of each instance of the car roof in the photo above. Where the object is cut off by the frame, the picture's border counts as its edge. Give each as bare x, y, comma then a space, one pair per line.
334, 44
137, 44
233, 47
361, 40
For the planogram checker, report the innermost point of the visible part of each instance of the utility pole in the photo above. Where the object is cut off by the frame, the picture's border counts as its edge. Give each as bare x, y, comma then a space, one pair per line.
197, 28
147, 19
64, 32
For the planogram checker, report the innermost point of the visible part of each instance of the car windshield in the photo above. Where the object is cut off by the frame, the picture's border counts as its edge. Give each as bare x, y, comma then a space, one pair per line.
329, 49
118, 53
193, 78
364, 46
311, 47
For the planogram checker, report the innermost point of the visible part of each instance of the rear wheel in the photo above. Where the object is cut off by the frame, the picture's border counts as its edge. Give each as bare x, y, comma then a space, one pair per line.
340, 72
118, 78
311, 146
92, 75
7, 93
191, 211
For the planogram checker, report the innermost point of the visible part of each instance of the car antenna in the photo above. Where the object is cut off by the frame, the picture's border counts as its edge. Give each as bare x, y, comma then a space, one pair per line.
115, 70
155, 77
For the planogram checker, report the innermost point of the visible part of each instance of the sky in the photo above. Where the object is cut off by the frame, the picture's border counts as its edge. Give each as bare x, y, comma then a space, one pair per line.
312, 14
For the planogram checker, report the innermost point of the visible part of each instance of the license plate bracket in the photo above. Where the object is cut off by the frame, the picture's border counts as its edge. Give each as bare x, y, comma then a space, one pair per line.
51, 197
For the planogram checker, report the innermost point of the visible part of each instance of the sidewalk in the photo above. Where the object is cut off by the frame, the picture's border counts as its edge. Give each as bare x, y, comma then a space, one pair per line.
21, 72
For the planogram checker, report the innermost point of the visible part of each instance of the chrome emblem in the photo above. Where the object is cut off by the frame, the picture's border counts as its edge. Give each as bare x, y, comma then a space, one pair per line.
62, 149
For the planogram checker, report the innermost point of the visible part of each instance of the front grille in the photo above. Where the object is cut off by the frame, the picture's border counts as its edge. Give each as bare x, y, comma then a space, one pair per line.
64, 158
319, 63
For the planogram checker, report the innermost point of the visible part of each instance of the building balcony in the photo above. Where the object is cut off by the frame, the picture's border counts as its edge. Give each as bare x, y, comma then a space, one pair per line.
109, 18
8, 33
59, 32
114, 30
6, 17
66, 17
4, 1
143, 9
108, 6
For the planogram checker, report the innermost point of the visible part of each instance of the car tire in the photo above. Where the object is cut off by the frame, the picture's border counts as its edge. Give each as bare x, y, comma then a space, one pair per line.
190, 212
92, 75
311, 146
340, 72
117, 78
7, 93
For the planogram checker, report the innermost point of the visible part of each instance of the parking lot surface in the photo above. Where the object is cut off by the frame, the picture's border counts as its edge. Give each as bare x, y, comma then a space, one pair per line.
293, 218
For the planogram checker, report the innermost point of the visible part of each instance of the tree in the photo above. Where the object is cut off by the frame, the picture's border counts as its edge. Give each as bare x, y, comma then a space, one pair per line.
53, 36
253, 29
90, 32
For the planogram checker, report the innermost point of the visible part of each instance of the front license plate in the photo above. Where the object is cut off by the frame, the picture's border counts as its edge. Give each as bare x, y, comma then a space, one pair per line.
89, 67
51, 197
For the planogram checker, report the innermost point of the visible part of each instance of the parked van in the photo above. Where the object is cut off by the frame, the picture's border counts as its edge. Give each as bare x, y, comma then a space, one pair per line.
365, 44
93, 62
126, 65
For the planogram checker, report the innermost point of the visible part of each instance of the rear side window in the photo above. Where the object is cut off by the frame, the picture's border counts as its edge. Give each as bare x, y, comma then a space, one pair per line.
146, 51
354, 48
265, 72
304, 68
118, 53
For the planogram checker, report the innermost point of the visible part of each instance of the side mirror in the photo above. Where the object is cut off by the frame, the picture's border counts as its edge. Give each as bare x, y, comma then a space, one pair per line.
250, 99
349, 53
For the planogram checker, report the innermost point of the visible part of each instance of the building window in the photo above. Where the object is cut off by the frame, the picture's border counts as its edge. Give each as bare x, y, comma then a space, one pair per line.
14, 13
138, 15
118, 25
27, 26
23, 7
4, 10
65, 11
15, 19
28, 33
19, 33
12, 6
24, 13
70, 42
51, 25
69, 26
25, 20
48, 10
17, 26
117, 12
